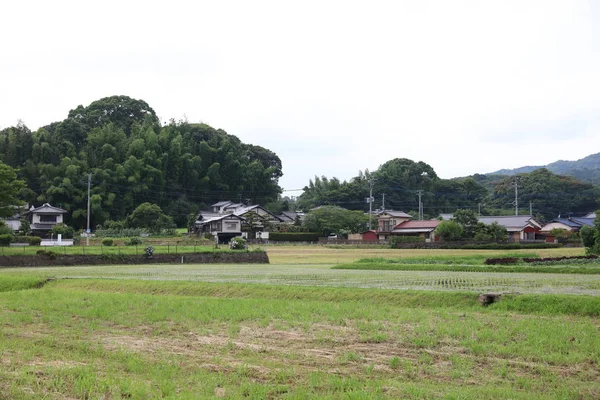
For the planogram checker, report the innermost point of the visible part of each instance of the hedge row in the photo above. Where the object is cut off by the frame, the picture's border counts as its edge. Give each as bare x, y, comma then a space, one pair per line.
32, 240
294, 236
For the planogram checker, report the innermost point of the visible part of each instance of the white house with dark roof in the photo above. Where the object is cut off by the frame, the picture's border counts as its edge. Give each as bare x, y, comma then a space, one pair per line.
44, 217
225, 219
519, 227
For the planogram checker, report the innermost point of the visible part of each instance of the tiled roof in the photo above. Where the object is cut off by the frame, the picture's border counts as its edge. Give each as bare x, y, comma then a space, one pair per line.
429, 224
47, 209
510, 221
400, 214
584, 221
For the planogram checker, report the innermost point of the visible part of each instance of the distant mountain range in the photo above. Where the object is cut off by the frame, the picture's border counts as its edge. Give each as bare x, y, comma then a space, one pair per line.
587, 169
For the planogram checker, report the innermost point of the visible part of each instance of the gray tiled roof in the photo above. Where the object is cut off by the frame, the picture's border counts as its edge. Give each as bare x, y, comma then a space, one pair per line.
510, 221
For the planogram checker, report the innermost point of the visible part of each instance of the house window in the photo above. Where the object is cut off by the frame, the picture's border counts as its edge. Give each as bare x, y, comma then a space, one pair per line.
231, 225
47, 218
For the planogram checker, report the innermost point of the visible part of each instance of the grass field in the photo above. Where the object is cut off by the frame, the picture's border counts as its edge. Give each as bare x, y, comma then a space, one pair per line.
299, 329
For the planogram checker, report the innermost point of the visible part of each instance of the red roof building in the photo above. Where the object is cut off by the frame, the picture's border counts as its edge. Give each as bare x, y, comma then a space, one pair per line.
424, 229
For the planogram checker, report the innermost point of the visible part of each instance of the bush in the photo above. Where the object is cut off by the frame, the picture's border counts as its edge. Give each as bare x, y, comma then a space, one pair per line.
449, 231
209, 236
107, 242
64, 230
5, 229
587, 234
134, 241
294, 236
6, 239
393, 241
32, 240
238, 243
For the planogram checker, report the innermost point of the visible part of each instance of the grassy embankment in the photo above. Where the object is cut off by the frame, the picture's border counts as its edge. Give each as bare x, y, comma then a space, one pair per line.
475, 263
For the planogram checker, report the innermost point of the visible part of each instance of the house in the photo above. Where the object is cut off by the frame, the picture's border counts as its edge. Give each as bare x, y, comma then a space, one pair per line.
571, 224
519, 227
44, 217
368, 236
224, 227
387, 220
424, 229
591, 215
226, 219
291, 217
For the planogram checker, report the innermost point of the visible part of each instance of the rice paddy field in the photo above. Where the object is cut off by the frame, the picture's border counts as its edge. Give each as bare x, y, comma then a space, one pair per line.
315, 323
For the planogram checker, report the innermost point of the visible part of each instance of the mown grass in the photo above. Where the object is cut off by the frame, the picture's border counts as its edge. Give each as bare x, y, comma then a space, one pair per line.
139, 340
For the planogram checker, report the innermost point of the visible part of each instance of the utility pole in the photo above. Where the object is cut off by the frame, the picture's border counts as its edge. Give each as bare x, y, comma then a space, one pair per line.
370, 201
420, 193
383, 203
479, 209
87, 233
516, 195
530, 208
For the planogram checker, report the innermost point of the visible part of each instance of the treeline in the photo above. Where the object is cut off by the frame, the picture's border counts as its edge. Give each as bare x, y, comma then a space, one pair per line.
399, 181
133, 159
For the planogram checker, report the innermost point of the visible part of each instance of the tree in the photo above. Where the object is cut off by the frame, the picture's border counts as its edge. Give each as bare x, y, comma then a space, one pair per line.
496, 231
588, 236
149, 216
449, 231
64, 230
9, 190
333, 219
468, 220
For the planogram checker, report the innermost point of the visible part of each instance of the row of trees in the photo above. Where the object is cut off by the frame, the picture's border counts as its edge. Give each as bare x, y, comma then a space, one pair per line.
134, 159
401, 180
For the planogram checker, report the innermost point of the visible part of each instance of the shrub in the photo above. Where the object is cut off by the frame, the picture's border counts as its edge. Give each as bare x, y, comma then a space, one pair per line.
238, 243
6, 239
587, 236
115, 233
393, 241
32, 240
209, 236
449, 231
107, 242
133, 241
294, 236
149, 251
5, 229
64, 230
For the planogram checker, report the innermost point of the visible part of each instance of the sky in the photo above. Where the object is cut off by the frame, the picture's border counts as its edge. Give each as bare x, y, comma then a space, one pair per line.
332, 87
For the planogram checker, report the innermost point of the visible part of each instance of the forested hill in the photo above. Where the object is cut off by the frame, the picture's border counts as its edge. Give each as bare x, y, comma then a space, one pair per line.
401, 180
586, 169
134, 159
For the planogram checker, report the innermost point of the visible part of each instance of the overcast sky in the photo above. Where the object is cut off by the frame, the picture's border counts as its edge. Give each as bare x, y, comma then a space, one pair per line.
333, 87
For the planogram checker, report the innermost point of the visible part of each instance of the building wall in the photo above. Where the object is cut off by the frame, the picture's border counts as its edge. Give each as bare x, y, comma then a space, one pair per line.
36, 219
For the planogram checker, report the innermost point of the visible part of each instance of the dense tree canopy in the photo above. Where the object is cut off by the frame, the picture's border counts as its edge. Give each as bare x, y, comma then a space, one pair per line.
134, 159
401, 180
9, 190
333, 219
